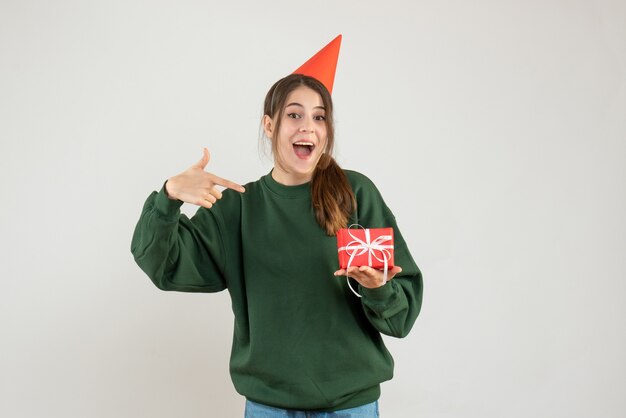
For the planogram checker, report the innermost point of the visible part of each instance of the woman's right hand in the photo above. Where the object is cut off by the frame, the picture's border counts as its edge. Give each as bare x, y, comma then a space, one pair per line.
198, 187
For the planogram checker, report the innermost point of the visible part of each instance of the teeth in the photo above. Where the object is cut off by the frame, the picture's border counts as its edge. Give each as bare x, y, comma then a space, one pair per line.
308, 144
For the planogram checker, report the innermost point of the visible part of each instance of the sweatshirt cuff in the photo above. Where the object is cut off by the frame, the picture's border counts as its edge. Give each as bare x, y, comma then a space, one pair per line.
378, 294
166, 206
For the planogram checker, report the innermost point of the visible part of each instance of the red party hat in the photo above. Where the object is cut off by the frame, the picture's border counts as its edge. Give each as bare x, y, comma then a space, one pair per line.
322, 65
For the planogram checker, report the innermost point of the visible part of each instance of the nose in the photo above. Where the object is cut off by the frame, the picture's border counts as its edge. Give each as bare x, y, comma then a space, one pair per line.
307, 125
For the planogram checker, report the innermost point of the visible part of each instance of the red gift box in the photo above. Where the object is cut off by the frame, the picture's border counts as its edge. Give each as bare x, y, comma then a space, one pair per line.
365, 247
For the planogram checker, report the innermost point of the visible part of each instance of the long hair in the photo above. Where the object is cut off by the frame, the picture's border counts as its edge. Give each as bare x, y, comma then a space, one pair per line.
331, 194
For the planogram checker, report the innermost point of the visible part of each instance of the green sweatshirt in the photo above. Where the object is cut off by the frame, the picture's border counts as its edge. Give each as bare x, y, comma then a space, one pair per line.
302, 339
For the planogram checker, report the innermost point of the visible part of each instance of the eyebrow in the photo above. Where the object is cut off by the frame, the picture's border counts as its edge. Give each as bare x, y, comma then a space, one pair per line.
298, 104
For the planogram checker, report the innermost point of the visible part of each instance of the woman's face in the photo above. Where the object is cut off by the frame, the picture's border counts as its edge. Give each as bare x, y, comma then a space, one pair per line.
302, 137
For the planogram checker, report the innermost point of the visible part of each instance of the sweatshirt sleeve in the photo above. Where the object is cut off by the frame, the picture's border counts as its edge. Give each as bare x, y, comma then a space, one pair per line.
176, 252
392, 308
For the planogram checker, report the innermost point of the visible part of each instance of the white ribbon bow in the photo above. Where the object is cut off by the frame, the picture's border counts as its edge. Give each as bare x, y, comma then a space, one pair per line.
357, 247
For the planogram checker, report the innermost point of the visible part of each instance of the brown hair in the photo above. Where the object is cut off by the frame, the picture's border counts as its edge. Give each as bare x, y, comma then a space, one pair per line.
331, 194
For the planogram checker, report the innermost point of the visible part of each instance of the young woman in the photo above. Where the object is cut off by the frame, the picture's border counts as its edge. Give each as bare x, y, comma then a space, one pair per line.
304, 344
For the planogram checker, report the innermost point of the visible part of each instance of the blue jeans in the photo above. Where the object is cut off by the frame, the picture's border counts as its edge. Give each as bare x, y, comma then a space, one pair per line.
257, 410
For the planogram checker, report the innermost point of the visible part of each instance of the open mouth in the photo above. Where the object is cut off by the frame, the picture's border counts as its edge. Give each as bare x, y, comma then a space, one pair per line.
303, 149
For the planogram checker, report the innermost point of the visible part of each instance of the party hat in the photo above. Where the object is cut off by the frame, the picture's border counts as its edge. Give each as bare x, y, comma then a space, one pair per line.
322, 65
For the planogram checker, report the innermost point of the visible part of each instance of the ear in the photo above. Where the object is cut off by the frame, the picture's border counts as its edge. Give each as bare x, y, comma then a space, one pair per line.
268, 126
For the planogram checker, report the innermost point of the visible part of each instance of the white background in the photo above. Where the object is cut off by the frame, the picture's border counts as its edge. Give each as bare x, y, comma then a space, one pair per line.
494, 129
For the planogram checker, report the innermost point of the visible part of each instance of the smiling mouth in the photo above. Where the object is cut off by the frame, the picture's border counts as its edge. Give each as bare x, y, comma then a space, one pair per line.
303, 149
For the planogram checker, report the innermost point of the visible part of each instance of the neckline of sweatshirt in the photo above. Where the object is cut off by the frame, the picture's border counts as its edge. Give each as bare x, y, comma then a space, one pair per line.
299, 191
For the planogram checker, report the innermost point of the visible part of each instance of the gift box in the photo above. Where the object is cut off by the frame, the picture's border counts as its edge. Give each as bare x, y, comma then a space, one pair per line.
365, 247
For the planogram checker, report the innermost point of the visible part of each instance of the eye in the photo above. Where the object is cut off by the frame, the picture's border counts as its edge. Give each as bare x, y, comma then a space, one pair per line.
319, 117
293, 115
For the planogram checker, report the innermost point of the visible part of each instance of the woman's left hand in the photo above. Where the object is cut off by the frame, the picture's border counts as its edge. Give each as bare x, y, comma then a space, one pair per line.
369, 277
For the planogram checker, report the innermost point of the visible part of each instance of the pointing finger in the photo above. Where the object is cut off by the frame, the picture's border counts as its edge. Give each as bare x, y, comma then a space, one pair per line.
228, 184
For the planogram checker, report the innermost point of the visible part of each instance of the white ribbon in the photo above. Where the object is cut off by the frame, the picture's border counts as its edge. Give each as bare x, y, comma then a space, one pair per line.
357, 247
